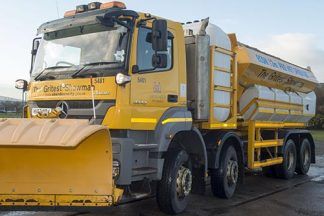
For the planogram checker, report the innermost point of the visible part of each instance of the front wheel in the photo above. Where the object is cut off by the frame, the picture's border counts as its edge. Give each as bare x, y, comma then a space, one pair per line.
304, 158
174, 188
224, 180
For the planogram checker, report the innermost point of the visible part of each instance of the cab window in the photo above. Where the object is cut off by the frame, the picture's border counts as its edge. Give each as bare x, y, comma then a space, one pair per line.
145, 51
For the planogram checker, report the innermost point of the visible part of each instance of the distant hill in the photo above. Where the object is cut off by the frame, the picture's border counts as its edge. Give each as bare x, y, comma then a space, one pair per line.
2, 99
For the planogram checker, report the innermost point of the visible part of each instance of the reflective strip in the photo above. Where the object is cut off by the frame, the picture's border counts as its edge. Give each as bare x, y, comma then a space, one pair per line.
143, 120
174, 120
223, 125
266, 111
295, 125
278, 125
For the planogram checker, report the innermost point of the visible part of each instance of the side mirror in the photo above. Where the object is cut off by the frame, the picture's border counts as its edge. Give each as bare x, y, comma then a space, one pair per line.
160, 60
21, 84
36, 43
160, 35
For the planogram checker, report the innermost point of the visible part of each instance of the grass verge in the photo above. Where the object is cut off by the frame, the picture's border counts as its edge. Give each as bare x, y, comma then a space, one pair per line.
318, 135
10, 115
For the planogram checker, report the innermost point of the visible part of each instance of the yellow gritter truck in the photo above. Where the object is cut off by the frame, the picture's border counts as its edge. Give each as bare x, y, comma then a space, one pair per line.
123, 105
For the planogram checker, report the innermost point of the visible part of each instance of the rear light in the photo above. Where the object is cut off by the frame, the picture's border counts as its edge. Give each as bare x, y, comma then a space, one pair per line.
113, 4
69, 13
81, 8
94, 5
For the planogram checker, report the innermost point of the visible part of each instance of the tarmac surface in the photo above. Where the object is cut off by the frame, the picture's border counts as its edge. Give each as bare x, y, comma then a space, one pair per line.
260, 195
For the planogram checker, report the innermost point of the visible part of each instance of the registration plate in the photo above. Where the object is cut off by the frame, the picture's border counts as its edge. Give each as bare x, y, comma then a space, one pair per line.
41, 111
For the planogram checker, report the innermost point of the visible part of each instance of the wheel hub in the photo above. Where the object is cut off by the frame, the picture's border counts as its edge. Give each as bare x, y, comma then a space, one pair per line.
232, 172
184, 182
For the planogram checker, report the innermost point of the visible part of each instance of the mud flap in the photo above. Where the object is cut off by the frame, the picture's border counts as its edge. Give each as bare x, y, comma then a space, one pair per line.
55, 163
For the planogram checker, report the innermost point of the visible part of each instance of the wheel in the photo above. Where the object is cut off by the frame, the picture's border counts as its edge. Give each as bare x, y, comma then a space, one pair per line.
286, 170
304, 157
174, 188
224, 180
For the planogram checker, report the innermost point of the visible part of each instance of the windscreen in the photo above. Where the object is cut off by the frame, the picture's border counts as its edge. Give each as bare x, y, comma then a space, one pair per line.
76, 47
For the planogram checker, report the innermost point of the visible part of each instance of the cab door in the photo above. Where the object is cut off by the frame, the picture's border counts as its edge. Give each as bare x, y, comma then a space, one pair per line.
152, 90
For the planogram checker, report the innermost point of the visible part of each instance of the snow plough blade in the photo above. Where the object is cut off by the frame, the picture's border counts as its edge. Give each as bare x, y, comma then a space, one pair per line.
55, 163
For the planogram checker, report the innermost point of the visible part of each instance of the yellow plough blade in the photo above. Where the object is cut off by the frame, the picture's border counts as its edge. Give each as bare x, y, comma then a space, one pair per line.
55, 163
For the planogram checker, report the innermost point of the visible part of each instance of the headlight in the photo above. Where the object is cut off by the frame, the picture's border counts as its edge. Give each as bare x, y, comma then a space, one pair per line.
116, 169
122, 79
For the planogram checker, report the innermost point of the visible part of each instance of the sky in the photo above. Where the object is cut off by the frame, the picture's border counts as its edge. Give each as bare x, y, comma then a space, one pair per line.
291, 29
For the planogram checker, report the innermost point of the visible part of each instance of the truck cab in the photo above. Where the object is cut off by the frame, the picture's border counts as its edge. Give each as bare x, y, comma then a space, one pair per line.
124, 70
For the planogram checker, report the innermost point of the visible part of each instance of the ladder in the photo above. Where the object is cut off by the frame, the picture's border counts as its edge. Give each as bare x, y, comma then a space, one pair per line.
256, 143
223, 82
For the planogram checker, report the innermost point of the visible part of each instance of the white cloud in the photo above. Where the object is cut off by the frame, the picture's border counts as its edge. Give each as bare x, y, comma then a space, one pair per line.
298, 48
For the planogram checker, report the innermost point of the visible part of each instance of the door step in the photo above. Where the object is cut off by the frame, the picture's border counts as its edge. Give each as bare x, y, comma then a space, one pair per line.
143, 171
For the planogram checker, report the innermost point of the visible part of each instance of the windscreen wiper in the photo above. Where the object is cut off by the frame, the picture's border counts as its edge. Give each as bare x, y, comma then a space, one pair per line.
101, 63
78, 73
42, 76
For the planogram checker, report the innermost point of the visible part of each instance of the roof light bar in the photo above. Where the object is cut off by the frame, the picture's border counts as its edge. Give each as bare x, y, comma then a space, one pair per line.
94, 5
113, 4
69, 13
81, 8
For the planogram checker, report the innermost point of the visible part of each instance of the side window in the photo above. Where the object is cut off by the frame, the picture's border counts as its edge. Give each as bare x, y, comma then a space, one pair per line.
145, 51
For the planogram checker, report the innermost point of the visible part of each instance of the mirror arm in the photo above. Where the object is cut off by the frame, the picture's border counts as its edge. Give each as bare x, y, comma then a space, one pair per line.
102, 20
122, 23
142, 21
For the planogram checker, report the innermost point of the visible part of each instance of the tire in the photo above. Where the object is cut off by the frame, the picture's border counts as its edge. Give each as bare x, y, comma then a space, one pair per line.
224, 181
286, 170
174, 188
304, 158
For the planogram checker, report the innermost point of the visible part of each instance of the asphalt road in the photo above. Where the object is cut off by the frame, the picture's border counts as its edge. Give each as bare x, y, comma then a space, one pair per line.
260, 195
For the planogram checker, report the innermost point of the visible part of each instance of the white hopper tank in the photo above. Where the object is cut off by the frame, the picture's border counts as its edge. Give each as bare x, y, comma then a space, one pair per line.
297, 100
251, 109
309, 106
281, 113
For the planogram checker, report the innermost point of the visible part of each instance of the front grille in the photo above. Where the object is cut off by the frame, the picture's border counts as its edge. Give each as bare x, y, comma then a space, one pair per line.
71, 104
79, 109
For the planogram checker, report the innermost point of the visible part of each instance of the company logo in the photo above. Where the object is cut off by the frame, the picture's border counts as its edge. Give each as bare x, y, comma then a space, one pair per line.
64, 108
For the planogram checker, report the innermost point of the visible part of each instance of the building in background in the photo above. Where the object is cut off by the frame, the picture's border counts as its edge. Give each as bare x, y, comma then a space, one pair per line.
9, 105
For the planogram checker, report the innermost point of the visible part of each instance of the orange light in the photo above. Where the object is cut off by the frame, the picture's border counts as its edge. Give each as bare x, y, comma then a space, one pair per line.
113, 4
69, 13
